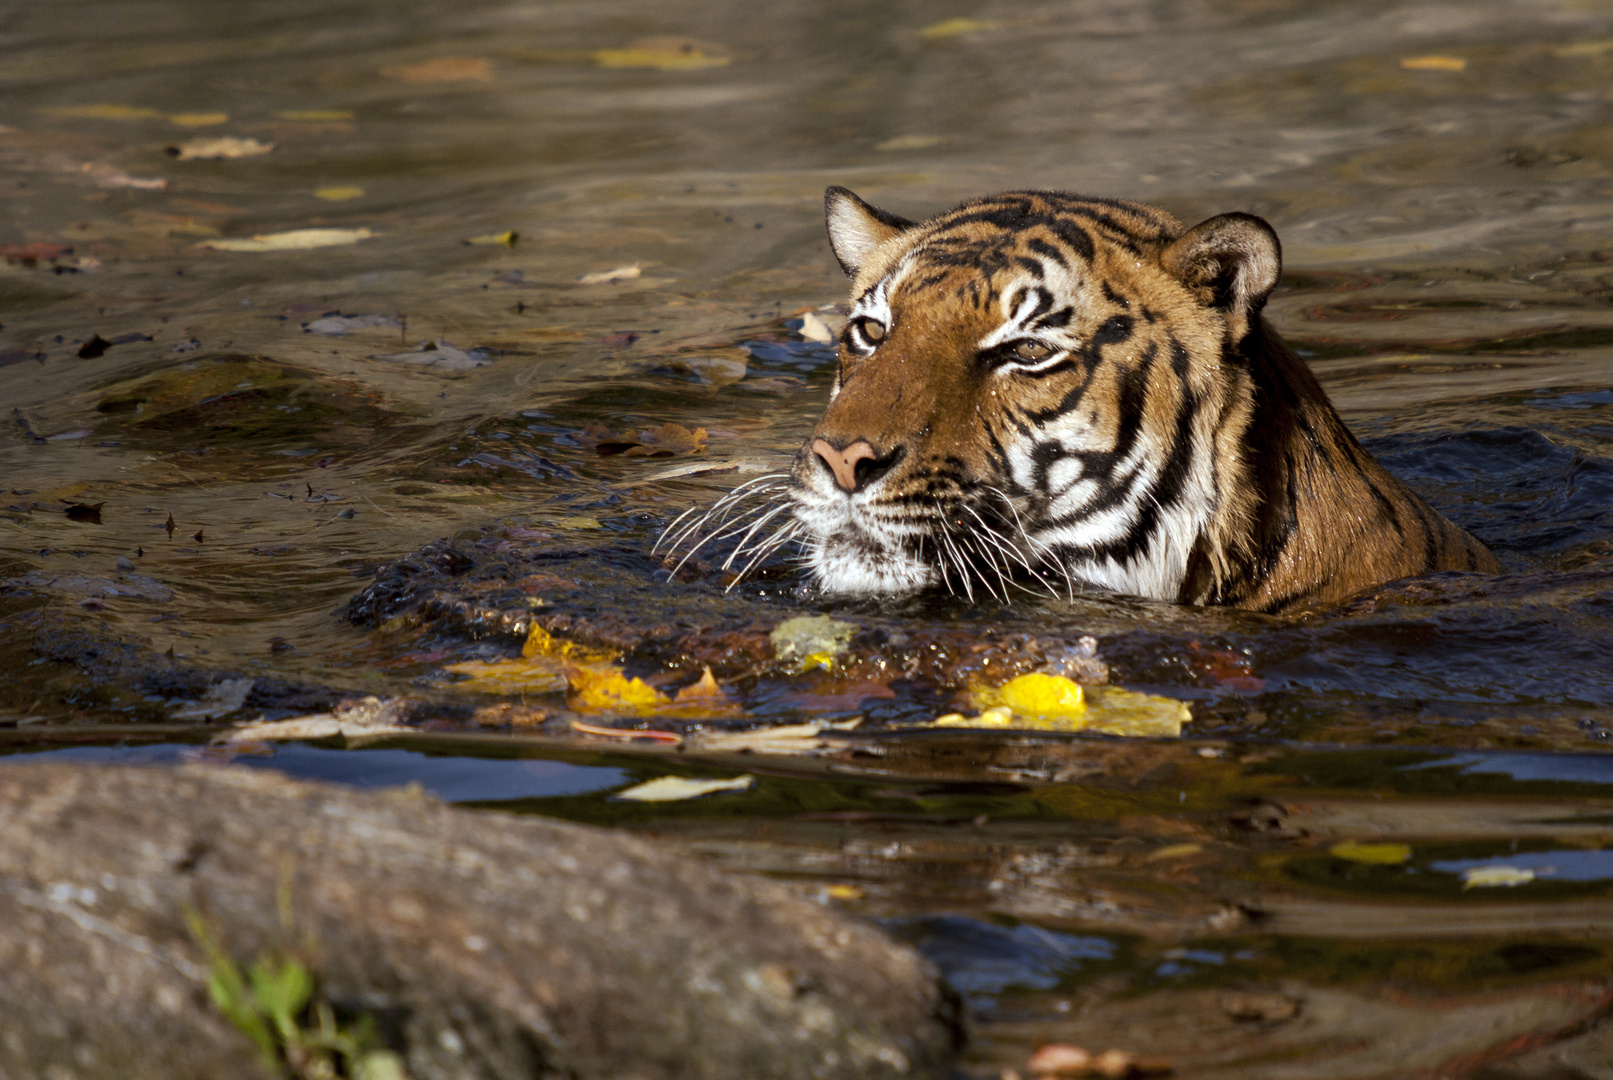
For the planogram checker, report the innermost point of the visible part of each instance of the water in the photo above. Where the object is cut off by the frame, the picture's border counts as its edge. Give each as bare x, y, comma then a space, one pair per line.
1446, 225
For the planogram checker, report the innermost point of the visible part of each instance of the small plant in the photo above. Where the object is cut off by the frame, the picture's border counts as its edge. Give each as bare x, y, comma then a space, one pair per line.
297, 1035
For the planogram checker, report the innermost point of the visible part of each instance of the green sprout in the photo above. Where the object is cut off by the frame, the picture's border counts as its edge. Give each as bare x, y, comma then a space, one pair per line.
296, 1034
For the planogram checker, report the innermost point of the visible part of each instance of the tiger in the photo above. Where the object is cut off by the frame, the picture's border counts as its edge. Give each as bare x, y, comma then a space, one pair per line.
1039, 390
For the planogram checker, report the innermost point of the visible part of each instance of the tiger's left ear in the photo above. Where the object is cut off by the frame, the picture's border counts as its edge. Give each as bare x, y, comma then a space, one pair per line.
1235, 257
856, 229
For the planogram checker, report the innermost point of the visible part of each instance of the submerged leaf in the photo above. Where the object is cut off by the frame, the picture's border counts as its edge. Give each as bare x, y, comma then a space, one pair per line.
531, 676
813, 641
1371, 854
678, 788
338, 193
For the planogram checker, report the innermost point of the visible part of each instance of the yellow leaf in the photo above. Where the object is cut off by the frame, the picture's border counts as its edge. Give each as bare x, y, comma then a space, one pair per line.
1433, 63
677, 788
527, 676
338, 194
1055, 703
1051, 696
508, 239
664, 54
608, 688
104, 112
295, 240
315, 115
198, 119
448, 69
844, 892
1485, 877
956, 28
1371, 854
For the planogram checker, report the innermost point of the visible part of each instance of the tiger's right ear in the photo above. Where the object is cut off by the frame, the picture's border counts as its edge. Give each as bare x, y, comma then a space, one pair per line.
856, 229
1234, 259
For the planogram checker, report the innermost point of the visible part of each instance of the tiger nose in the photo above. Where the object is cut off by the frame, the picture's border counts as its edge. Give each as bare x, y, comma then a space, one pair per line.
855, 467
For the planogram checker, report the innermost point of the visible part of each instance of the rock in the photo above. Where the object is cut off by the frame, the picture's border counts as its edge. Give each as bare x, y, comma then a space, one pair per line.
485, 945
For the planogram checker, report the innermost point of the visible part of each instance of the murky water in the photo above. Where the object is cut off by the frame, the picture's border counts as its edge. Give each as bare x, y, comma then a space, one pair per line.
1382, 843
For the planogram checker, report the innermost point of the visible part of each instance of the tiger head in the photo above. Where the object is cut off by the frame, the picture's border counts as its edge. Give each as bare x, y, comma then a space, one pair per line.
1034, 389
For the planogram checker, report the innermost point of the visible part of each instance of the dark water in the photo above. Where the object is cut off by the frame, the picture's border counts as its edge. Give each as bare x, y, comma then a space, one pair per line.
1440, 177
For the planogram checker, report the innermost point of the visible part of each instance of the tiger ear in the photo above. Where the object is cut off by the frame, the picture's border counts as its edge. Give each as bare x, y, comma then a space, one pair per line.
856, 229
1236, 257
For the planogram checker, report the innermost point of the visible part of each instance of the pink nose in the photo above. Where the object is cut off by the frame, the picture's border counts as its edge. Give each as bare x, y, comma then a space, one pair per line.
843, 463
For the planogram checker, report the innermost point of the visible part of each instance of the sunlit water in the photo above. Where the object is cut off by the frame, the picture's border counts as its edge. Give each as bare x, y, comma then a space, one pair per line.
1440, 177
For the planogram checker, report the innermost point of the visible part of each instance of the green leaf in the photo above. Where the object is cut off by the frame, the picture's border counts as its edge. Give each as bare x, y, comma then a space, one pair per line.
282, 988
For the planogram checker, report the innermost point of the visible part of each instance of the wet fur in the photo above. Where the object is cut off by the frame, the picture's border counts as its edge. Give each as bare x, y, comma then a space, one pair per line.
1169, 446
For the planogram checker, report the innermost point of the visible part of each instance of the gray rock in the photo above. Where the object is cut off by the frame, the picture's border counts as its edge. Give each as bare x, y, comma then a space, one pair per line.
492, 945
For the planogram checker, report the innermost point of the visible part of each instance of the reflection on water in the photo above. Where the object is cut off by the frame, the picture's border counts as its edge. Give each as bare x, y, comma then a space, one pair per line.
455, 779
564, 226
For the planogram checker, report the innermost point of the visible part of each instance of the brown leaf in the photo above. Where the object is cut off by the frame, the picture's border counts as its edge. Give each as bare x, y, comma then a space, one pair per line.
169, 525
93, 348
703, 691
90, 512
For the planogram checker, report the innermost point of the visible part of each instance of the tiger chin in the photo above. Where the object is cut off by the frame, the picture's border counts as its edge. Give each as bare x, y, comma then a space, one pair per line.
1040, 391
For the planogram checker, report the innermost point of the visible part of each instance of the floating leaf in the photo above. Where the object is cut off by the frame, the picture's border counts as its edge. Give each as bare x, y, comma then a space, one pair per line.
678, 788
1052, 697
1434, 63
338, 194
227, 146
1048, 706
508, 239
601, 277
90, 512
1371, 854
104, 112
198, 119
448, 69
294, 240
815, 329
785, 739
598, 689
1489, 877
665, 54
956, 28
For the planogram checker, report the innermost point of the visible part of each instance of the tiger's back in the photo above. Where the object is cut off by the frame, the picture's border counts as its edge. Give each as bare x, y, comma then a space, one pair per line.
1038, 390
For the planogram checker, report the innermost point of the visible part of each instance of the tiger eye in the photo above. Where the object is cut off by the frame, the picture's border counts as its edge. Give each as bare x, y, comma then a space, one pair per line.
873, 331
1032, 350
